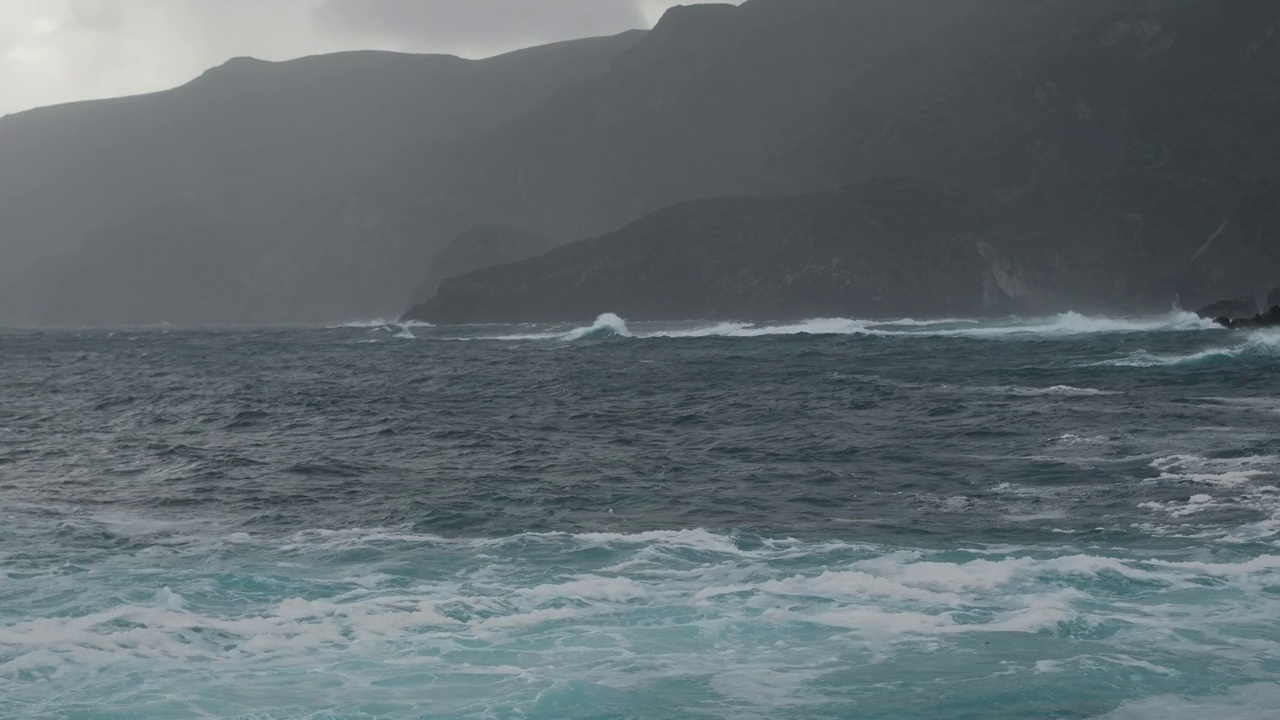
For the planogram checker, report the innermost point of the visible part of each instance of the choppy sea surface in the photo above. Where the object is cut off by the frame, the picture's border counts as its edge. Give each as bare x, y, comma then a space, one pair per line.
1066, 517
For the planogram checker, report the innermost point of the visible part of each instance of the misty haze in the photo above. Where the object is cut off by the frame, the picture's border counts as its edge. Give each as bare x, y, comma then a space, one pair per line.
620, 358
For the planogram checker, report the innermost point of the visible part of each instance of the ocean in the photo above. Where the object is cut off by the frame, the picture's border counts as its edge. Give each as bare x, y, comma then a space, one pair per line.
1066, 517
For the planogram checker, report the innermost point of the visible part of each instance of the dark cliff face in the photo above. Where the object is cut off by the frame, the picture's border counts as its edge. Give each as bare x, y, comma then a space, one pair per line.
478, 249
283, 153
1112, 140
1123, 152
888, 247
992, 97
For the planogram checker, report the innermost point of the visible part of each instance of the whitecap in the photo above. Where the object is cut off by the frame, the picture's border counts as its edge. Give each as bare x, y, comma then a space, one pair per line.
607, 325
1220, 472
1246, 702
526, 619
1066, 324
1056, 390
1257, 345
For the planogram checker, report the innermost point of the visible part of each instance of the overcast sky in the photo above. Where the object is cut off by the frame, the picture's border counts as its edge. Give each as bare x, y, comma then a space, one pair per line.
54, 51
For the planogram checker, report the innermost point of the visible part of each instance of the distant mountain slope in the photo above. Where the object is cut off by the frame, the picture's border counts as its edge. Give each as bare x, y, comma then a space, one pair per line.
885, 247
1110, 138
279, 147
1103, 141
478, 249
787, 96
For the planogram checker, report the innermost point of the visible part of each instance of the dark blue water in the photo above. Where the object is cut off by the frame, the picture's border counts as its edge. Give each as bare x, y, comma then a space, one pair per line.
1066, 518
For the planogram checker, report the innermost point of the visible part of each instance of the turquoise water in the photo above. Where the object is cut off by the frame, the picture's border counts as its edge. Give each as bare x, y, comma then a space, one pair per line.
1069, 517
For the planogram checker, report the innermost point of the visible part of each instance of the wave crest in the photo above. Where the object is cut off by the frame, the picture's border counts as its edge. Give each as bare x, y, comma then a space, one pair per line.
607, 325
1261, 345
611, 325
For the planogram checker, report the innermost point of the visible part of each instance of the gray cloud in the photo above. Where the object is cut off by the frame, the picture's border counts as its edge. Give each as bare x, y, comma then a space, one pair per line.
54, 51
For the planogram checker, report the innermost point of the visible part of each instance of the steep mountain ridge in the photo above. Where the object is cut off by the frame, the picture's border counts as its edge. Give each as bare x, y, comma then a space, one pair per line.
275, 149
1103, 143
869, 248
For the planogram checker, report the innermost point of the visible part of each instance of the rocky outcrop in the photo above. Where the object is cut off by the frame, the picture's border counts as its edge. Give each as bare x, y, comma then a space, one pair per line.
1234, 309
1111, 150
1268, 319
1242, 313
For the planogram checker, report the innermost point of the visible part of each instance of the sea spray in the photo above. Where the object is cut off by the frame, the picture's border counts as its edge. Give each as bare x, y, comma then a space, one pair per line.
607, 325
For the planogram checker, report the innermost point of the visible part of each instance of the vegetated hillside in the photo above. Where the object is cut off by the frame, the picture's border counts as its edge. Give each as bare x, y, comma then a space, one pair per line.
226, 181
1105, 142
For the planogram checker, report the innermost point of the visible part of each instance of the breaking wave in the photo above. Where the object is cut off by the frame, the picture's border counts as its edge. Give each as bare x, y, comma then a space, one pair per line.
1070, 323
380, 324
397, 329
1259, 345
1065, 324
610, 325
528, 614
607, 325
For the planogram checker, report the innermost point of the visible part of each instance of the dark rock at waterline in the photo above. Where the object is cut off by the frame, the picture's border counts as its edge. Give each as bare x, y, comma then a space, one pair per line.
1273, 298
1269, 319
1235, 309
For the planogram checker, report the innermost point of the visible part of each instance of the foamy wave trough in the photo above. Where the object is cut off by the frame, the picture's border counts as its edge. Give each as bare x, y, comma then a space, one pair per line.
877, 594
372, 617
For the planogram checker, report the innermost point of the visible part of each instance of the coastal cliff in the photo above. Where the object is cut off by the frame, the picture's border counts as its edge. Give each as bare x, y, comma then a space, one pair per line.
876, 249
1111, 156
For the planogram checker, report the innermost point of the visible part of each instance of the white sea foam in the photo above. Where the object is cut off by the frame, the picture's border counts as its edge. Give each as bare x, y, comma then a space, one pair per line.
619, 610
526, 619
1194, 505
1257, 345
824, 326
1072, 323
380, 324
1257, 404
615, 589
1220, 472
606, 326
1056, 390
718, 330
1072, 439
696, 539
1066, 324
1256, 701
375, 324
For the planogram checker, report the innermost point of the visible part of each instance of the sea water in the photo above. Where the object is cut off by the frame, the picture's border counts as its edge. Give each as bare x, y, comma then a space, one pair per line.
1065, 517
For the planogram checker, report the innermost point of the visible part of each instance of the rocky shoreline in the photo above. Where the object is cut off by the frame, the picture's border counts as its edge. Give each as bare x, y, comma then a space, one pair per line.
1242, 313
